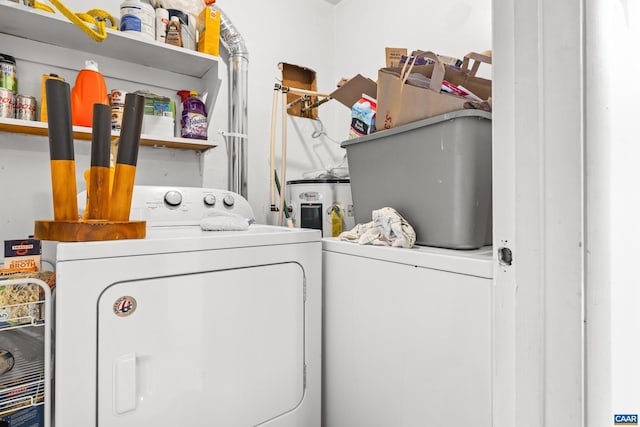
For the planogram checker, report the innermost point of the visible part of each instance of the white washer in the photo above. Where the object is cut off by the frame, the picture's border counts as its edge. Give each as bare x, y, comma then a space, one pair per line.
189, 327
406, 336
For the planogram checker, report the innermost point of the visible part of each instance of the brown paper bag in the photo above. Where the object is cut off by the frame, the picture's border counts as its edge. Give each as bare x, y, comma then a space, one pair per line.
401, 101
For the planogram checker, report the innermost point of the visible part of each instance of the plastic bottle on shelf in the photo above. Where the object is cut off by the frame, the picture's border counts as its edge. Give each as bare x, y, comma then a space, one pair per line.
194, 116
174, 30
90, 88
162, 19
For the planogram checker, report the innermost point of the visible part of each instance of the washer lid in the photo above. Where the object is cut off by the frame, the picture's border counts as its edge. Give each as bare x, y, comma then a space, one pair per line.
478, 262
162, 240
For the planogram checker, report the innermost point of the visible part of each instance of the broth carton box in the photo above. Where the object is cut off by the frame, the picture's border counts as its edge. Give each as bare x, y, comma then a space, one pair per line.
22, 255
363, 117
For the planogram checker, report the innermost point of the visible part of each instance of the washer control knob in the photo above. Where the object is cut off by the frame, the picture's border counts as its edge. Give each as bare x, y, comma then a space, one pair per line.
173, 198
228, 200
209, 200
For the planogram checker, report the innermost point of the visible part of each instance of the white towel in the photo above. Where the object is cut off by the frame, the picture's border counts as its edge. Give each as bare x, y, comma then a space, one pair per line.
388, 228
224, 221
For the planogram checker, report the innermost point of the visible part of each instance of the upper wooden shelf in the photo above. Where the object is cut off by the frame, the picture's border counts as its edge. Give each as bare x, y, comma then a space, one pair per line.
34, 24
84, 133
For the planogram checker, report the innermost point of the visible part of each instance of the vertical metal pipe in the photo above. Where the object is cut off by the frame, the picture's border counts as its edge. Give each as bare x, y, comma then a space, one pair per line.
237, 140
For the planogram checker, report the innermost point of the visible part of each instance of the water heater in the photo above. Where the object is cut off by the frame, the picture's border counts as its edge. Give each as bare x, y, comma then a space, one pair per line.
323, 204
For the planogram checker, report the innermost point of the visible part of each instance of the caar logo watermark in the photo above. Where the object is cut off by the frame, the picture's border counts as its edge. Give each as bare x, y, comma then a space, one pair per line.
625, 419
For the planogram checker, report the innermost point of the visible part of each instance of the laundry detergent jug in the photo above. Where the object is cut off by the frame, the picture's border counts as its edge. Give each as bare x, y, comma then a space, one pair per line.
90, 88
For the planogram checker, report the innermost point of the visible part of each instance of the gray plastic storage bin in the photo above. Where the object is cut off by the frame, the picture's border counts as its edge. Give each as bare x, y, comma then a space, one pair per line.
435, 172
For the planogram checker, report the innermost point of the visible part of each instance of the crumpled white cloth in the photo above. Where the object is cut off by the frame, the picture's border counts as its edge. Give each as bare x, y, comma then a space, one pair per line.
387, 228
224, 221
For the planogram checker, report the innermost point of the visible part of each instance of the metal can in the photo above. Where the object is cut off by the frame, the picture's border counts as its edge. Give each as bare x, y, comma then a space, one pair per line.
116, 117
7, 361
117, 97
138, 17
162, 19
26, 107
8, 73
7, 102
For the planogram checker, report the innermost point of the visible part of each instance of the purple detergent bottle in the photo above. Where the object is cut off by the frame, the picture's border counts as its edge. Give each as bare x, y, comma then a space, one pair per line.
194, 117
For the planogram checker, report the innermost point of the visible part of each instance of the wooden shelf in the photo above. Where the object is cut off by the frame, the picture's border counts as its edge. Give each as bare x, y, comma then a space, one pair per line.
84, 133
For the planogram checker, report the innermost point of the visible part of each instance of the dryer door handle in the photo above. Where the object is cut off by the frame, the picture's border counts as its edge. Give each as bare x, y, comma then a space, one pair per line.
125, 397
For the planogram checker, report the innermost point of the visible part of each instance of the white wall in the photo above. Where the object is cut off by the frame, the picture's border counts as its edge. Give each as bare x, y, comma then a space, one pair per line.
364, 29
612, 207
295, 32
312, 33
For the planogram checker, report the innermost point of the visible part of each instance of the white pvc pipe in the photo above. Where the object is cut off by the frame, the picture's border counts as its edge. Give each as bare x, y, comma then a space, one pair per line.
272, 148
283, 165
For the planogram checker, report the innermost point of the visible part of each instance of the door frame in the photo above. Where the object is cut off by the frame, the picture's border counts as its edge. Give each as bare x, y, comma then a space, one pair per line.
538, 151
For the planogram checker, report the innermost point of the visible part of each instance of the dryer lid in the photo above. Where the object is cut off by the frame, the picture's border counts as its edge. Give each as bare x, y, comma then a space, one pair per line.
166, 240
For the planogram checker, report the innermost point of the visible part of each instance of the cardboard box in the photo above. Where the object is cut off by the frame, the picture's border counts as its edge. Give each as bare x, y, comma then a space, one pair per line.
159, 115
22, 254
209, 31
401, 101
349, 92
32, 416
446, 60
158, 125
393, 55
363, 117
295, 76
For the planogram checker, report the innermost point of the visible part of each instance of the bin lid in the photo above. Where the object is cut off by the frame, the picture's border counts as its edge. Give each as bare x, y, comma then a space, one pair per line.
319, 181
418, 124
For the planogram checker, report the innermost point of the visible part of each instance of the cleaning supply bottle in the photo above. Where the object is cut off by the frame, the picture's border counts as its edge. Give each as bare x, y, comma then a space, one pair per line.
90, 88
174, 32
194, 116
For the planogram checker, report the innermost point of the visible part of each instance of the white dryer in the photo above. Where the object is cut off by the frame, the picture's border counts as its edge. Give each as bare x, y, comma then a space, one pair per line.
189, 327
407, 336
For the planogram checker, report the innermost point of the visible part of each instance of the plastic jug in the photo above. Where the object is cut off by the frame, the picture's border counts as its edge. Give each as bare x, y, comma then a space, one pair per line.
194, 115
90, 88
